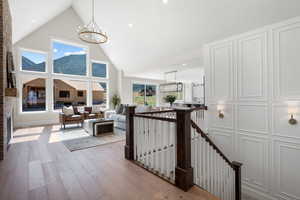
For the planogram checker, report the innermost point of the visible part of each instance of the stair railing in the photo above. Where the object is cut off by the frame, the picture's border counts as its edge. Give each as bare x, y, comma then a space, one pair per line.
213, 171
171, 145
154, 148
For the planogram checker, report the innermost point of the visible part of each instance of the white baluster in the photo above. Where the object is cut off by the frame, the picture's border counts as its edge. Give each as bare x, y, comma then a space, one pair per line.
151, 136
135, 131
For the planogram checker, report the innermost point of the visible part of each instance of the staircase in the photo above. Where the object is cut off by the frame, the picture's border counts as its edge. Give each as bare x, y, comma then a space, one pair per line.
172, 145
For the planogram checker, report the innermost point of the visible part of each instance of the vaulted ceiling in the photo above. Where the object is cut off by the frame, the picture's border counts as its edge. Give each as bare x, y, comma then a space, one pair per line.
157, 35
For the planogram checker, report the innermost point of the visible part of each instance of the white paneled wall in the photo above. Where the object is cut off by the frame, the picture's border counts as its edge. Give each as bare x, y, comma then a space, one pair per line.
254, 79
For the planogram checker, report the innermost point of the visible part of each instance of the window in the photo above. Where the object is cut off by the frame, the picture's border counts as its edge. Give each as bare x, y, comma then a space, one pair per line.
99, 94
80, 93
150, 95
72, 81
32, 61
69, 59
65, 93
33, 94
138, 94
144, 94
99, 70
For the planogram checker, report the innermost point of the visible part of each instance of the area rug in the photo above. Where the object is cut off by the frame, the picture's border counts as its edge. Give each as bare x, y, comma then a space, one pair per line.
81, 140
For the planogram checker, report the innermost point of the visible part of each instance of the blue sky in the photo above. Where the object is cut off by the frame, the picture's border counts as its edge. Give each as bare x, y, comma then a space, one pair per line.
61, 50
34, 57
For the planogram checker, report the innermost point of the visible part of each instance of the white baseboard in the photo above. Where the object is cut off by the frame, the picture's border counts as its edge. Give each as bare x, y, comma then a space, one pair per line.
258, 195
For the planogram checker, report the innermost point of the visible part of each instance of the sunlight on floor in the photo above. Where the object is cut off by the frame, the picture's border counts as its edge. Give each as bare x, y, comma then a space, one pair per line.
29, 131
25, 139
27, 135
68, 134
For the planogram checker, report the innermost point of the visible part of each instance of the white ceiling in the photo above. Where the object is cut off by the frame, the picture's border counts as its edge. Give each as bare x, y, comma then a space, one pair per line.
162, 36
28, 15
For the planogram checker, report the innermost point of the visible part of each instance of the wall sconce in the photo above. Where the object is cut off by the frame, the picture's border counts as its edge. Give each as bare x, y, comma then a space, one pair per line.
220, 109
292, 111
292, 121
221, 114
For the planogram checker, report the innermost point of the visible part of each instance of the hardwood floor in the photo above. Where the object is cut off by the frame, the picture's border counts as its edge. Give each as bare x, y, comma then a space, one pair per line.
39, 167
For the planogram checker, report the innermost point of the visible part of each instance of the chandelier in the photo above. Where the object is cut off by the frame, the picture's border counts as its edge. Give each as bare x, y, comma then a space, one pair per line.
91, 33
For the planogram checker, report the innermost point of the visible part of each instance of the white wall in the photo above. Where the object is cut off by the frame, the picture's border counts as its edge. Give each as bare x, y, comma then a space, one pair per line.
255, 77
62, 27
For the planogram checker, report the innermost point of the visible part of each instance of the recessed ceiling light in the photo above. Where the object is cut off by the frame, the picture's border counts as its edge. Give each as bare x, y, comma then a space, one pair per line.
130, 25
165, 1
183, 64
33, 21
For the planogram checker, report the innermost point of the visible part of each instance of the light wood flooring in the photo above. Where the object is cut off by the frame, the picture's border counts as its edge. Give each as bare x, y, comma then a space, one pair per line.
39, 167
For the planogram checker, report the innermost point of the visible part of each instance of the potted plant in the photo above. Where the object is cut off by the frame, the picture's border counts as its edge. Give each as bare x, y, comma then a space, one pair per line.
115, 100
170, 99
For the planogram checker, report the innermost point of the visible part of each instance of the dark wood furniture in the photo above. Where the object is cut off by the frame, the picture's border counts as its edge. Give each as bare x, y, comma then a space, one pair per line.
96, 127
71, 119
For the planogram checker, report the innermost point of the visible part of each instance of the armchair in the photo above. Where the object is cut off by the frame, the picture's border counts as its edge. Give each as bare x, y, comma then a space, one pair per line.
70, 119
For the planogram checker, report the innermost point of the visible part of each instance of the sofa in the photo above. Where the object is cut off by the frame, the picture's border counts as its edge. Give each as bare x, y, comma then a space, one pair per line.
119, 115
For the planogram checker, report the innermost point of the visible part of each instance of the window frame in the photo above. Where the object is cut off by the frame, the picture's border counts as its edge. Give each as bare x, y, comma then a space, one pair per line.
99, 62
157, 103
20, 84
87, 74
87, 82
49, 77
20, 67
107, 91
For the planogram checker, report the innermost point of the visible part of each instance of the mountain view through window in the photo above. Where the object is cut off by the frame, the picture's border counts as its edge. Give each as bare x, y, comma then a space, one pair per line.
69, 59
32, 61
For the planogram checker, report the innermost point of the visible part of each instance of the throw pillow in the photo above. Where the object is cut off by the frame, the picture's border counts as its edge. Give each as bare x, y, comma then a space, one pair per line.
96, 109
68, 111
119, 109
124, 110
80, 109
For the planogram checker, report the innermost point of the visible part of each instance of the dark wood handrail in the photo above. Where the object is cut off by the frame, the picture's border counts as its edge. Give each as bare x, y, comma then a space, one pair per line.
157, 112
199, 108
155, 118
236, 166
172, 110
195, 126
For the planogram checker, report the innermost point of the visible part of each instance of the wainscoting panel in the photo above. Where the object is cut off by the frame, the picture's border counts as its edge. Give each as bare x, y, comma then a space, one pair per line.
224, 140
221, 60
253, 153
255, 76
227, 121
287, 169
253, 118
281, 126
286, 60
252, 65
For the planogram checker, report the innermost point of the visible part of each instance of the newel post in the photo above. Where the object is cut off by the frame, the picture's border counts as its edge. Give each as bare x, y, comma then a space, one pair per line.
129, 148
183, 170
238, 180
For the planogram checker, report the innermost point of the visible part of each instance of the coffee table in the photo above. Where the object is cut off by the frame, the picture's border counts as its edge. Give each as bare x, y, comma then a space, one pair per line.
96, 127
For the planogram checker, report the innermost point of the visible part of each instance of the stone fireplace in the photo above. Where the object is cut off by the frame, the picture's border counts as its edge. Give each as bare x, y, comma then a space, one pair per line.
6, 103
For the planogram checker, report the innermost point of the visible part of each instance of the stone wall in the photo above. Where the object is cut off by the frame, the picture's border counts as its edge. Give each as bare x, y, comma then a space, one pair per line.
6, 45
